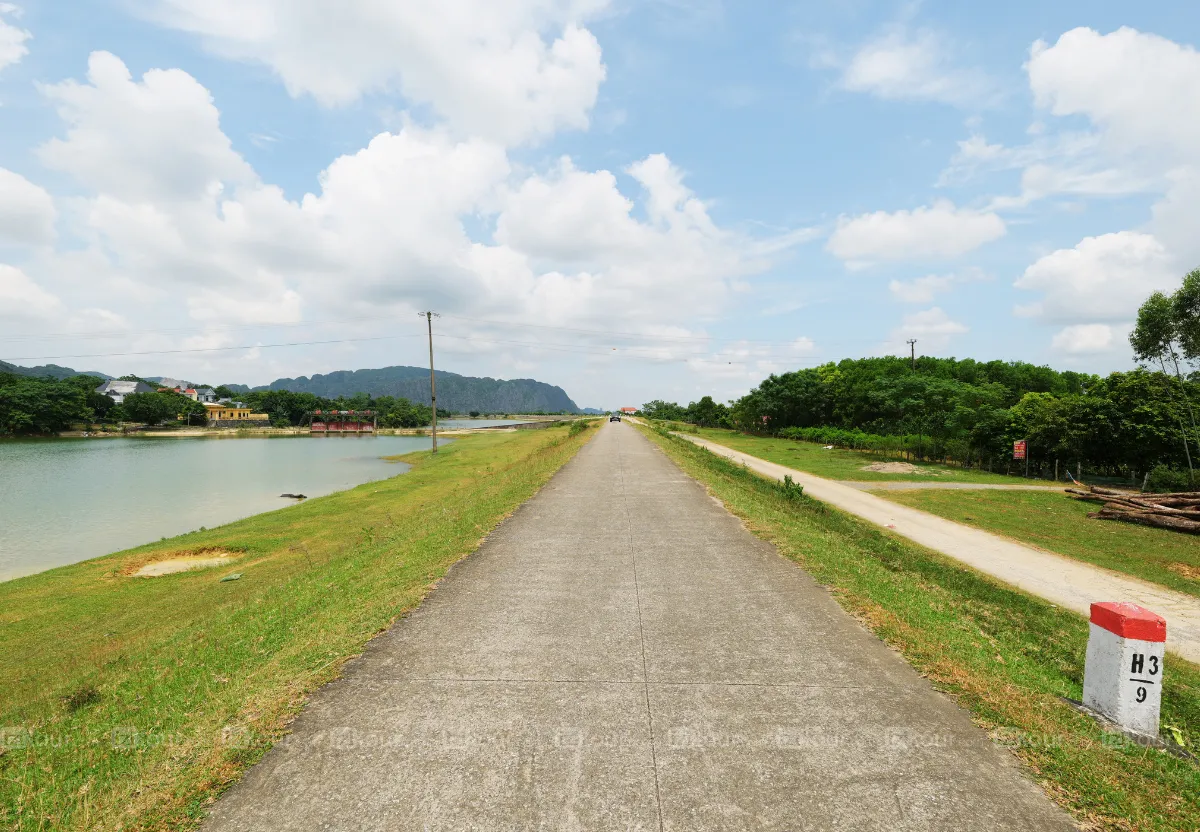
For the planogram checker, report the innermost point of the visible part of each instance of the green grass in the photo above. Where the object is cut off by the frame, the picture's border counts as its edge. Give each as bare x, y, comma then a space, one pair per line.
130, 702
1007, 657
1060, 524
840, 464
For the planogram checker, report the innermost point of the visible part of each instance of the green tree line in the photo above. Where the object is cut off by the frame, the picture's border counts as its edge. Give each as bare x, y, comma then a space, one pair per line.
288, 408
968, 412
31, 405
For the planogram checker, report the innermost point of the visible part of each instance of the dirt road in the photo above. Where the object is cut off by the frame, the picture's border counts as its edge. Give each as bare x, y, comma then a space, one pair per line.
1060, 580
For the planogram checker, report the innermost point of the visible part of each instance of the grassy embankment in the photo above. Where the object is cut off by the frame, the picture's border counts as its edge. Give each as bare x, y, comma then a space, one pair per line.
842, 464
1004, 655
130, 702
1060, 524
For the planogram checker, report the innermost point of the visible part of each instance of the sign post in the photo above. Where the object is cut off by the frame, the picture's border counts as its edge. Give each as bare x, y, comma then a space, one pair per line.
1020, 451
1123, 673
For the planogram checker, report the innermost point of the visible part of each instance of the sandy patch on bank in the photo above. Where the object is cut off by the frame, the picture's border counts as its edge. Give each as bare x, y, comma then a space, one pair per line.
1185, 570
898, 468
184, 562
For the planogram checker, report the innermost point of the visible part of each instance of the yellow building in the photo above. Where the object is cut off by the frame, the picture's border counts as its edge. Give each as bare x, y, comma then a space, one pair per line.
218, 413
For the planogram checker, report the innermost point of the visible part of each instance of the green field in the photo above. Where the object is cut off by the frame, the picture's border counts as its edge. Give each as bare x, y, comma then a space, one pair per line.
1007, 657
840, 464
129, 703
1060, 524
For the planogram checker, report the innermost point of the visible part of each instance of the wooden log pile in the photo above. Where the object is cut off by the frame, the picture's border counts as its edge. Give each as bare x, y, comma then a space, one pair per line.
1178, 512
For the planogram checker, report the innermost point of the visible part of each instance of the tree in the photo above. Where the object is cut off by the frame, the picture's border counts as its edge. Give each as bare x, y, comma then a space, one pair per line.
32, 405
155, 408
659, 409
193, 412
1160, 323
707, 413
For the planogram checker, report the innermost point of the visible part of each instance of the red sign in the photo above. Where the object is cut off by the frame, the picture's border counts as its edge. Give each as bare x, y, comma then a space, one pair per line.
1019, 449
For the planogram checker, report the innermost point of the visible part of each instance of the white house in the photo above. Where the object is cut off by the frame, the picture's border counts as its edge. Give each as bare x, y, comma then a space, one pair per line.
117, 390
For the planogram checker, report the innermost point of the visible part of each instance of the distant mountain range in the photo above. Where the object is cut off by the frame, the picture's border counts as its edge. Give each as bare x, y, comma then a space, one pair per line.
457, 393
460, 394
51, 370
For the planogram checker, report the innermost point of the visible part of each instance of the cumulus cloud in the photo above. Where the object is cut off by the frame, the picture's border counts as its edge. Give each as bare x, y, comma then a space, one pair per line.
21, 298
1138, 91
27, 212
914, 65
937, 232
508, 71
419, 218
932, 328
1084, 339
1102, 279
1130, 84
157, 139
12, 37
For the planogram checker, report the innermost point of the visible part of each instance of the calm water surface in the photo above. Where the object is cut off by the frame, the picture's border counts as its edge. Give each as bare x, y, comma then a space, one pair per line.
67, 500
479, 423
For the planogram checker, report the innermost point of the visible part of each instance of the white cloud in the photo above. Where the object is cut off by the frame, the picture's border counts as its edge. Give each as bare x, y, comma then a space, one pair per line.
915, 65
420, 218
27, 212
22, 299
509, 71
937, 232
12, 38
1139, 91
932, 328
158, 139
931, 323
1102, 279
1138, 88
1084, 339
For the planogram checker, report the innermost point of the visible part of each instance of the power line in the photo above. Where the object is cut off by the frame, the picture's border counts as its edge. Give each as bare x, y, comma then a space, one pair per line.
368, 318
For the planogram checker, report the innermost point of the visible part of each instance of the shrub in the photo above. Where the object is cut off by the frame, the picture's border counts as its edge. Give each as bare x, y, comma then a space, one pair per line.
790, 489
1163, 480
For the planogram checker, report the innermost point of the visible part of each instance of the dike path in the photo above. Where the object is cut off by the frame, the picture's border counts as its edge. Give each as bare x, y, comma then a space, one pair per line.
621, 654
1060, 580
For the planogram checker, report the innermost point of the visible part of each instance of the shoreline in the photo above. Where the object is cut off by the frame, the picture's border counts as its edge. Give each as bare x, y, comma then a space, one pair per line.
255, 432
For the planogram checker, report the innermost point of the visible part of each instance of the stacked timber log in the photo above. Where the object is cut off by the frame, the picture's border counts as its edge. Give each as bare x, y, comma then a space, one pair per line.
1178, 512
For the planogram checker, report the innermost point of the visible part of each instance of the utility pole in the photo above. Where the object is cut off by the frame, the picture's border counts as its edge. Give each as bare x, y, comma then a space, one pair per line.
429, 316
912, 346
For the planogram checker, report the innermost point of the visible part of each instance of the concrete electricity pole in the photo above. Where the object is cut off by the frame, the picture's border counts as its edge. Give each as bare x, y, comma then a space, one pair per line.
429, 316
912, 345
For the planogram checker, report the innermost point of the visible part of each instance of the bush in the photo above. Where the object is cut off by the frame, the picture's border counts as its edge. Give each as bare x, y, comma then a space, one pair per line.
790, 489
1163, 480
578, 427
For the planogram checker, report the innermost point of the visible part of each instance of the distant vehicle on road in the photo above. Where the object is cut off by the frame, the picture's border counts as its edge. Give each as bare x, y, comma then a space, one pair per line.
614, 417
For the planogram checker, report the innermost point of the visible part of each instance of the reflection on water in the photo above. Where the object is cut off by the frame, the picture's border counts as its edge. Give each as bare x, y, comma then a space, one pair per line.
67, 500
479, 423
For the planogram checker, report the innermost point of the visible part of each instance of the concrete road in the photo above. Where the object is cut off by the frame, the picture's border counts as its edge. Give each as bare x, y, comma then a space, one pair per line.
1069, 583
622, 654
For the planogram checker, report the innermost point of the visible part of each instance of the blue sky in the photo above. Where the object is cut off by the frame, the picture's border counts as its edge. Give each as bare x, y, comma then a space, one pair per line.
632, 200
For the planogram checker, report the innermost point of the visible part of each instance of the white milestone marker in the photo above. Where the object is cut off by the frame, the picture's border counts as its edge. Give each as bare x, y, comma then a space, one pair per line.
1123, 676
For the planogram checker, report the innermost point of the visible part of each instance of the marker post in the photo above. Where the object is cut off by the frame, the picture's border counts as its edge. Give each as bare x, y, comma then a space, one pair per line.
1122, 679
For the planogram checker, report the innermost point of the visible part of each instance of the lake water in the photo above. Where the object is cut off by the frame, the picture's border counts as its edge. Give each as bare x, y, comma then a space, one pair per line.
67, 500
479, 423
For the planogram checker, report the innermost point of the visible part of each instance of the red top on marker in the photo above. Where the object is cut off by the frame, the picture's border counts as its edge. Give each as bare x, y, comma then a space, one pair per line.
1129, 621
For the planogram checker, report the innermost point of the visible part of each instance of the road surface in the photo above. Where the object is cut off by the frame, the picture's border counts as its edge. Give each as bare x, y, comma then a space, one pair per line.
622, 654
1069, 583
